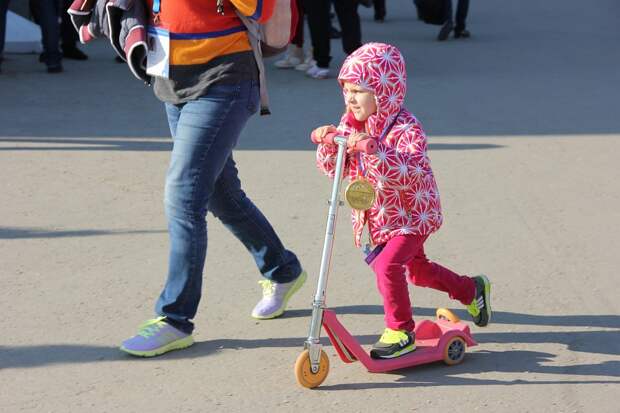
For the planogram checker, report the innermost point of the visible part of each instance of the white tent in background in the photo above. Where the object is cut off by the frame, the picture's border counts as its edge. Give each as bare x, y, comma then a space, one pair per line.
22, 35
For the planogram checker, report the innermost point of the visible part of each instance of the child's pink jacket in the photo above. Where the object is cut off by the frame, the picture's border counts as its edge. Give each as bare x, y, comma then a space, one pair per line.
407, 199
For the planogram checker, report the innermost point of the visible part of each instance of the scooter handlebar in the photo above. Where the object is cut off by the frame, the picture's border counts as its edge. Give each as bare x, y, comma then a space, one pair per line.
368, 145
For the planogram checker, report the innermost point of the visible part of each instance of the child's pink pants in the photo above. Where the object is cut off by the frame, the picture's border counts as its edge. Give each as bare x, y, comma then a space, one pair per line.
403, 258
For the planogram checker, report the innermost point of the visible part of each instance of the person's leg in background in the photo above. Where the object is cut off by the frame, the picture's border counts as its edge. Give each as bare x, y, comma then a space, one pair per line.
68, 35
45, 13
461, 16
319, 23
334, 33
4, 7
299, 39
294, 57
448, 25
379, 6
349, 20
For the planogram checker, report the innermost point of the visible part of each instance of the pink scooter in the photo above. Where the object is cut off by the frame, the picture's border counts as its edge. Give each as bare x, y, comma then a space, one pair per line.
445, 339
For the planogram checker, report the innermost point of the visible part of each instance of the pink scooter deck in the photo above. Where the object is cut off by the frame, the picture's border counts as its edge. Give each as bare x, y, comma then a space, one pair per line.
431, 340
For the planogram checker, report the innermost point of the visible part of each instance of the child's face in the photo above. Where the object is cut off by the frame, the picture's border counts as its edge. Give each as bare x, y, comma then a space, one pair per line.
361, 102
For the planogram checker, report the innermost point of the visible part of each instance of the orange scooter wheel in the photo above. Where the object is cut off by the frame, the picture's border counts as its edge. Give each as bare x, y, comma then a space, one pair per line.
303, 371
445, 314
454, 352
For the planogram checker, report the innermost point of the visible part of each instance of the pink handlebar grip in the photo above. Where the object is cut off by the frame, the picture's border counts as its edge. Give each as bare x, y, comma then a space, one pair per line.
328, 139
368, 146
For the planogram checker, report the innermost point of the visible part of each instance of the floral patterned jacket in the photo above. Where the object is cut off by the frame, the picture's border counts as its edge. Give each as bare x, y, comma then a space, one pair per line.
407, 199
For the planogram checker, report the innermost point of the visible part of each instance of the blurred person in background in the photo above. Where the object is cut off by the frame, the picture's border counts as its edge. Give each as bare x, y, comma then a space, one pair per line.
461, 15
45, 14
295, 56
319, 24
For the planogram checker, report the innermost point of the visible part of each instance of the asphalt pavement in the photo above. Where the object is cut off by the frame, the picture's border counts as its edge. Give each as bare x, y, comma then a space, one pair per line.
524, 132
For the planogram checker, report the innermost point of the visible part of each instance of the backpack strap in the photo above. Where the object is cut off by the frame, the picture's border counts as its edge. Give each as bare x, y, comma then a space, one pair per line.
254, 36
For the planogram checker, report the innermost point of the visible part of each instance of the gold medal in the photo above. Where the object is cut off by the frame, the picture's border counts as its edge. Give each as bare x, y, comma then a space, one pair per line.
360, 194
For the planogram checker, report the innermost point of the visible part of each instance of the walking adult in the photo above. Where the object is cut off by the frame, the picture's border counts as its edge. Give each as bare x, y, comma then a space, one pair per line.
461, 16
319, 24
208, 81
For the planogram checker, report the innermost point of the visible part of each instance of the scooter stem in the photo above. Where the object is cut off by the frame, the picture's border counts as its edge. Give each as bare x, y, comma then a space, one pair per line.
312, 343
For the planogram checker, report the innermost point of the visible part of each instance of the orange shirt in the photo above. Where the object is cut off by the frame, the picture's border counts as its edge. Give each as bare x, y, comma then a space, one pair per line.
198, 33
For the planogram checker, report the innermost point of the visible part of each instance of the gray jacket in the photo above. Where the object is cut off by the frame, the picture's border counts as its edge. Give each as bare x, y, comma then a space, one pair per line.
123, 22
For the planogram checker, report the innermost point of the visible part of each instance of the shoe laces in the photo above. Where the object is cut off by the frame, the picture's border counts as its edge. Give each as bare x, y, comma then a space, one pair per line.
150, 327
474, 307
390, 336
269, 287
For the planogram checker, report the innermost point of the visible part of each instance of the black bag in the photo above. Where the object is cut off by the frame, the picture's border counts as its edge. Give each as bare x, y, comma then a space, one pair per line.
432, 11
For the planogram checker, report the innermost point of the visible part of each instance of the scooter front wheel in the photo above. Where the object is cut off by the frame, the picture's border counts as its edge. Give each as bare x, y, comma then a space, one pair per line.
303, 370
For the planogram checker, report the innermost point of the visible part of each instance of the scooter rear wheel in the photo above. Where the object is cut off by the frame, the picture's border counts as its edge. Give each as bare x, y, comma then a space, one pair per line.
303, 371
445, 314
454, 352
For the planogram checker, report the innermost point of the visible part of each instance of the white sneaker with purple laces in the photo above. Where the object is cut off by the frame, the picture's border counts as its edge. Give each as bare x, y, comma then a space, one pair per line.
276, 296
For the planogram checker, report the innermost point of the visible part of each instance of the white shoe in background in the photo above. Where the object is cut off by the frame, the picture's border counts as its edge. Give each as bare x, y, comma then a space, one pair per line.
306, 64
316, 72
293, 57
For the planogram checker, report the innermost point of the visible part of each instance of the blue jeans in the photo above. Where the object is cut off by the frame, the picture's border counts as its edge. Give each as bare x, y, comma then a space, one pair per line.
202, 177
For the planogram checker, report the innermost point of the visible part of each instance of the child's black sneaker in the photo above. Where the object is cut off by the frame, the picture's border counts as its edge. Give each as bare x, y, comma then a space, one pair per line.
480, 307
393, 343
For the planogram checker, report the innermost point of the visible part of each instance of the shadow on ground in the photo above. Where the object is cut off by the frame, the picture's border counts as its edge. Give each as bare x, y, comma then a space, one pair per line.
509, 361
31, 233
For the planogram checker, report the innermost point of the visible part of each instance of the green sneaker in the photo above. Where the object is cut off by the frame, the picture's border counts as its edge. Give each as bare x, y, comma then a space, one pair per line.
393, 343
480, 307
156, 337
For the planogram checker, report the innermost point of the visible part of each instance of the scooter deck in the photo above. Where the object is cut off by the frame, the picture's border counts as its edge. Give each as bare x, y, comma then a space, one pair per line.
431, 338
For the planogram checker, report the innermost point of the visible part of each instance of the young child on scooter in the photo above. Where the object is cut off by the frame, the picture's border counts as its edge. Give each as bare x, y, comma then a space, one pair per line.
406, 207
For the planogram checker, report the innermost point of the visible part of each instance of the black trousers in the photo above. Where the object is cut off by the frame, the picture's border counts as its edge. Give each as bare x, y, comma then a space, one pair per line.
461, 13
319, 23
68, 35
379, 6
4, 7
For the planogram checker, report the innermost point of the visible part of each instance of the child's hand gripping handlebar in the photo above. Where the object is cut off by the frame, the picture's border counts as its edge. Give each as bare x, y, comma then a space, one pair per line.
368, 145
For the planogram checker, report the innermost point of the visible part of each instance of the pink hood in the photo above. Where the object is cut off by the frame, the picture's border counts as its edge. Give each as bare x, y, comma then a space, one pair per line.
380, 68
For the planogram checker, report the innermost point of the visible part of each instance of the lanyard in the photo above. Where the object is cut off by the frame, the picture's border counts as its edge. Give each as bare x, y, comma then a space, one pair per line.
360, 166
156, 10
